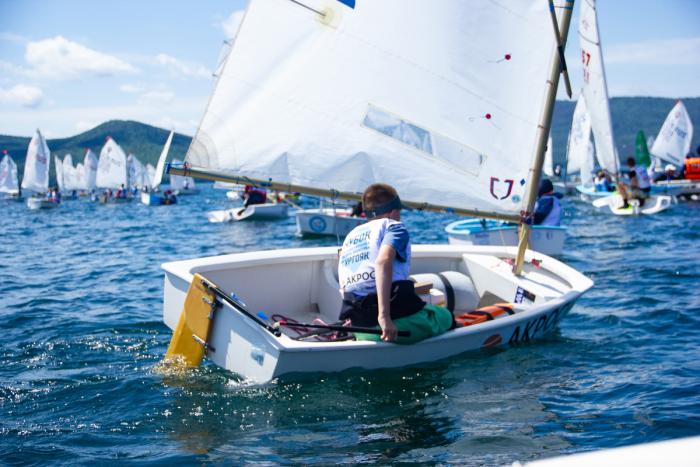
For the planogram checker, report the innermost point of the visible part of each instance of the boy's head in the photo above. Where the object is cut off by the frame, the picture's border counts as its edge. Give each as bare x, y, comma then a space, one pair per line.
630, 162
380, 199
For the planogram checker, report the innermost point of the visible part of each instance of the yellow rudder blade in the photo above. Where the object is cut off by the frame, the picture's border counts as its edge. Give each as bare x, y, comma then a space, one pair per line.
188, 343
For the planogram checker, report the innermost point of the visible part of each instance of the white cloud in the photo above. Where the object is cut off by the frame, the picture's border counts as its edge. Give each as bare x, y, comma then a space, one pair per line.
157, 97
231, 24
131, 88
655, 52
22, 94
60, 58
188, 69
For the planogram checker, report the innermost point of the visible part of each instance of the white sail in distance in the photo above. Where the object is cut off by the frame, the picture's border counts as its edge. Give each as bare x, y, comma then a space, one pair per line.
58, 167
580, 146
445, 107
70, 176
672, 143
548, 167
157, 178
111, 168
136, 171
90, 164
595, 88
36, 165
8, 175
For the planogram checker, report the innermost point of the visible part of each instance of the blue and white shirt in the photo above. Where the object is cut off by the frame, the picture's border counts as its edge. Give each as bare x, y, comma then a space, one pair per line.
360, 250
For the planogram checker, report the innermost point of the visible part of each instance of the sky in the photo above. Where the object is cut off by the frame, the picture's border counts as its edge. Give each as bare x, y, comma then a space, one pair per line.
68, 65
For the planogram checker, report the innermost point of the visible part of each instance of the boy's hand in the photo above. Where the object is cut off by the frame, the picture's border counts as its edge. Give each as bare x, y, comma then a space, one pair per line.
389, 331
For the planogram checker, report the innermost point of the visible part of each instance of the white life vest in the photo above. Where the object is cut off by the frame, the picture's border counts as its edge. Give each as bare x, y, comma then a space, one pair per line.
359, 255
554, 216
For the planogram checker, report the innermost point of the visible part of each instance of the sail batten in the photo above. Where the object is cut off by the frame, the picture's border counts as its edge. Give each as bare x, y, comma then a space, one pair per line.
442, 101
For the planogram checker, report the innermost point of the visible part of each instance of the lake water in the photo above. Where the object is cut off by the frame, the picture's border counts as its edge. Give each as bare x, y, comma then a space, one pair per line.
81, 325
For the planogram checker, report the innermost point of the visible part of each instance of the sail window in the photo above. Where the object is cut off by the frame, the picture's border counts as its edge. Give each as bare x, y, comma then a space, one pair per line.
399, 129
457, 154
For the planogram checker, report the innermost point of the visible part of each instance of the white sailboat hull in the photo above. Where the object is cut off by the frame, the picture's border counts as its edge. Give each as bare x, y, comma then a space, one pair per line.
652, 205
41, 203
268, 211
301, 284
677, 187
544, 239
326, 221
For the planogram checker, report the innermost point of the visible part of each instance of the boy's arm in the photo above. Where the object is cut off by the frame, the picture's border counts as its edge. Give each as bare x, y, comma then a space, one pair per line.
383, 270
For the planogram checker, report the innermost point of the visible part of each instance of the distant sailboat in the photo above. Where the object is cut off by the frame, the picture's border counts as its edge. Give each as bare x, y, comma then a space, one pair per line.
90, 164
9, 184
595, 92
672, 144
152, 197
112, 173
36, 173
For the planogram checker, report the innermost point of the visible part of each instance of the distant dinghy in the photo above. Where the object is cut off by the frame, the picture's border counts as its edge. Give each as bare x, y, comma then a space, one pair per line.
9, 183
652, 205
152, 197
36, 174
112, 173
254, 212
547, 239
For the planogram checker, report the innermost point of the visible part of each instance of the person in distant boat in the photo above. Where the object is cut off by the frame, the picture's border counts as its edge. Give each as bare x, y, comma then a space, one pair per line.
169, 197
253, 195
669, 173
603, 182
547, 208
373, 273
121, 192
357, 210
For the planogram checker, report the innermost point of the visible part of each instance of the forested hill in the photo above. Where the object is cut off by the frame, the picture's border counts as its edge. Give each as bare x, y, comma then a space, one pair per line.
144, 141
629, 115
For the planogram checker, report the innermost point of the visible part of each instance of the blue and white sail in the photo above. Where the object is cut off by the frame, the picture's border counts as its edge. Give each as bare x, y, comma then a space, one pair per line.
318, 94
672, 143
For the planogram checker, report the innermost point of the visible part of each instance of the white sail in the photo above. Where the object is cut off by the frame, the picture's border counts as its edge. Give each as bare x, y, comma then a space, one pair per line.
577, 152
111, 168
8, 175
136, 171
160, 166
673, 141
595, 88
150, 174
79, 176
70, 176
58, 167
36, 165
588, 164
90, 164
377, 93
548, 166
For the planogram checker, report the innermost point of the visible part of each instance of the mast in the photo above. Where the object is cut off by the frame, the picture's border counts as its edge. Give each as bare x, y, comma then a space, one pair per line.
205, 174
543, 133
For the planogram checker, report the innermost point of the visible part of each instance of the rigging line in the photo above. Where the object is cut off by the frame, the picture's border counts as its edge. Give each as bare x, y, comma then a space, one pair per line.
309, 8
